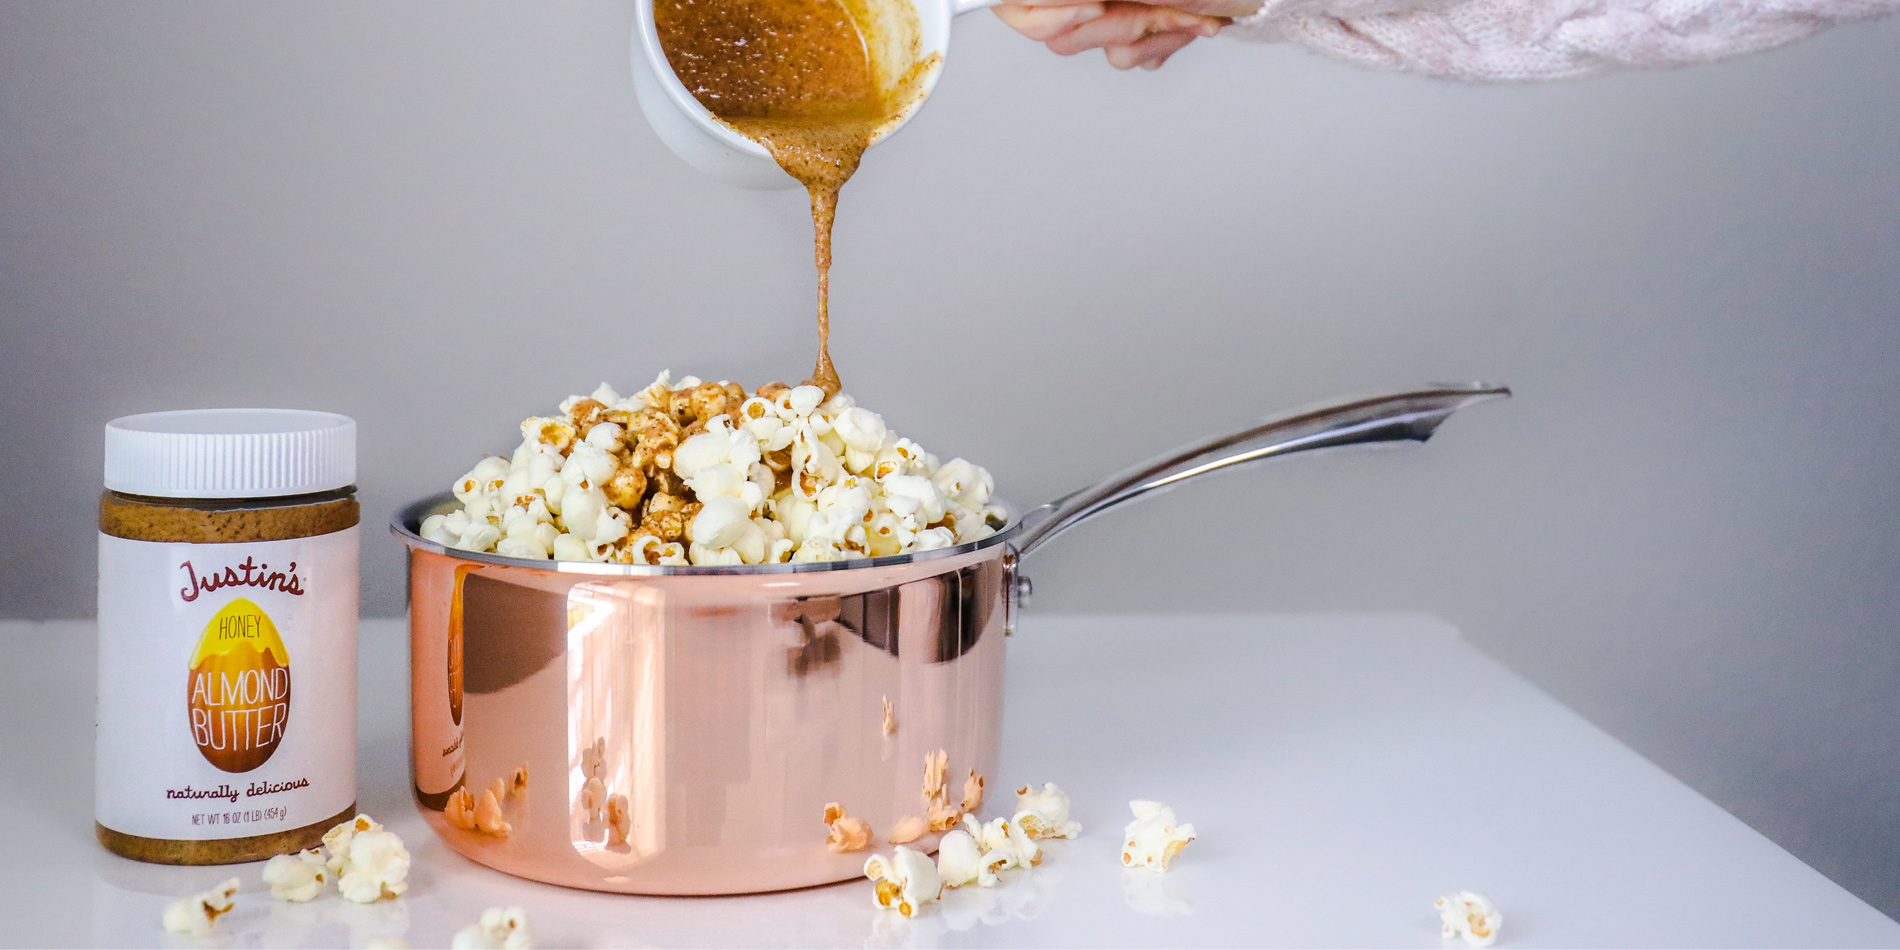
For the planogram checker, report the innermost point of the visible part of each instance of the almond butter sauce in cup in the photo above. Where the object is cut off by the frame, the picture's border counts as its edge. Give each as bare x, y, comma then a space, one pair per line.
813, 81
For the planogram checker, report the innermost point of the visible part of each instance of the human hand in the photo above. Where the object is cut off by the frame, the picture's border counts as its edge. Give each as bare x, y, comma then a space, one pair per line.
1130, 33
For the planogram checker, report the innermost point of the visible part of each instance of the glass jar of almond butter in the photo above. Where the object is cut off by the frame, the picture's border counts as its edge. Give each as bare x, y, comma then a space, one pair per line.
227, 634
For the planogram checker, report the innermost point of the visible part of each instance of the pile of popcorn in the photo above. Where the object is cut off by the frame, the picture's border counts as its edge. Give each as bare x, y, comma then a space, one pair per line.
693, 472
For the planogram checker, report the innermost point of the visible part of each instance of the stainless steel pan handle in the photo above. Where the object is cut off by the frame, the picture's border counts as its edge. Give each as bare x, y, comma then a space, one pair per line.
1413, 415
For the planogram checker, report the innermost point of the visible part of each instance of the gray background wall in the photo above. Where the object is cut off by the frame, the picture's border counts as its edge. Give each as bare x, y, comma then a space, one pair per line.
440, 218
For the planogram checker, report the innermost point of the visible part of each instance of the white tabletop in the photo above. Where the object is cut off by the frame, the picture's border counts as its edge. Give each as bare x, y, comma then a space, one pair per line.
1342, 771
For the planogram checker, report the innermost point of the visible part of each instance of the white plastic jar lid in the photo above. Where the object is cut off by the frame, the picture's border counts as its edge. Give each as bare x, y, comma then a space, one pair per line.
230, 453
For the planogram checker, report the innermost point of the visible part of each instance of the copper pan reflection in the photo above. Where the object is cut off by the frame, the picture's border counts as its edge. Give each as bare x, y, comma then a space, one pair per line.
730, 709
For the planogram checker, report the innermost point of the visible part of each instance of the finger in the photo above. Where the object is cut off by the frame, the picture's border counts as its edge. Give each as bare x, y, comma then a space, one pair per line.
1149, 52
1125, 22
1155, 50
1220, 8
1232, 9
1041, 23
1155, 64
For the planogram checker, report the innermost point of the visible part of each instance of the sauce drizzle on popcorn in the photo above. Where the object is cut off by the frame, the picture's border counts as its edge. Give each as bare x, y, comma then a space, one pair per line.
703, 473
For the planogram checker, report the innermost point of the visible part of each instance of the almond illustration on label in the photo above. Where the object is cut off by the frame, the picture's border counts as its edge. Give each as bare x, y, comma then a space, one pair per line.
239, 693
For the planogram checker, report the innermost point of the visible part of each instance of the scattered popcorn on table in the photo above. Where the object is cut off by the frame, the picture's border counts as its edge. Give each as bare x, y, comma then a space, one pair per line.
1045, 813
1007, 837
977, 853
846, 833
1153, 840
701, 473
378, 868
337, 840
371, 864
909, 829
296, 877
500, 928
488, 817
518, 781
906, 881
460, 810
1470, 915
962, 861
197, 915
890, 718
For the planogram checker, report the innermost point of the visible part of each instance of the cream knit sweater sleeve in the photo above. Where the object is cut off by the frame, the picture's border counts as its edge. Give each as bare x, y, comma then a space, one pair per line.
1507, 40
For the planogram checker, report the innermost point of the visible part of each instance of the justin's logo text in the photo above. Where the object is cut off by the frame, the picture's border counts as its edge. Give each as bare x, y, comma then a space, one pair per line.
247, 574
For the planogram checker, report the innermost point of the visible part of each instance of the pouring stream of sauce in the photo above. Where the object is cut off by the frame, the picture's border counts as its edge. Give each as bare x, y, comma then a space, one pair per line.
795, 76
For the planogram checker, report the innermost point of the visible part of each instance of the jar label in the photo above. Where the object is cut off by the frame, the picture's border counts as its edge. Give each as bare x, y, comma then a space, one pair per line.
199, 736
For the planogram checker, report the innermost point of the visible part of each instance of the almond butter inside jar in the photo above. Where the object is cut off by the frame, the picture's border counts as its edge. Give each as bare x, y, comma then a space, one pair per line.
227, 634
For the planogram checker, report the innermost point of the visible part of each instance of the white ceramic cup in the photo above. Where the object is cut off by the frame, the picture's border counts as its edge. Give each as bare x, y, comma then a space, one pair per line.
714, 147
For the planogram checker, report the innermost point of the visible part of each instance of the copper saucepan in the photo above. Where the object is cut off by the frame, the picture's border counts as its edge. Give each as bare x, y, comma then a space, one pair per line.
734, 703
